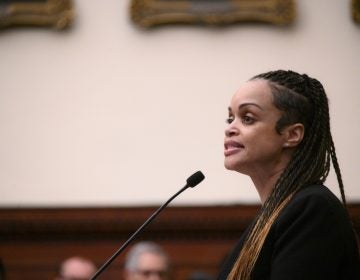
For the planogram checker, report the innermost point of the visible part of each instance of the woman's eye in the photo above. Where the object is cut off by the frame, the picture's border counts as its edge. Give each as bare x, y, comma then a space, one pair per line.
229, 120
247, 120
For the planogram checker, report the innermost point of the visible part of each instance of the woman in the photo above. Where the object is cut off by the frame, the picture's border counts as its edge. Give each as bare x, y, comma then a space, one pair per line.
279, 134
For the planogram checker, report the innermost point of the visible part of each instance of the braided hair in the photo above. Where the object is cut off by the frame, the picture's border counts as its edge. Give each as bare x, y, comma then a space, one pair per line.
302, 100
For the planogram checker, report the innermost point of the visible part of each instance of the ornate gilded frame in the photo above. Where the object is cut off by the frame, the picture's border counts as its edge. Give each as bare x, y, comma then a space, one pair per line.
149, 13
47, 13
356, 10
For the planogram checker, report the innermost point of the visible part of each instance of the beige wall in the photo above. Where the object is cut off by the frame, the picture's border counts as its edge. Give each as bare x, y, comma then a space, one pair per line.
108, 114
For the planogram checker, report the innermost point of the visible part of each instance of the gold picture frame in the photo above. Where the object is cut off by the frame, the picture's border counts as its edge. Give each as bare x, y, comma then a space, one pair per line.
149, 13
356, 10
47, 13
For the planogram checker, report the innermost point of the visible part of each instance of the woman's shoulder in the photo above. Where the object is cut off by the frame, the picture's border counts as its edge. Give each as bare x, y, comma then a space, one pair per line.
316, 191
315, 202
316, 216
319, 197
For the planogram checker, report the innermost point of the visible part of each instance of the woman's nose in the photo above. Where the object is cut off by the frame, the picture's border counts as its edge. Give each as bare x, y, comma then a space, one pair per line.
230, 131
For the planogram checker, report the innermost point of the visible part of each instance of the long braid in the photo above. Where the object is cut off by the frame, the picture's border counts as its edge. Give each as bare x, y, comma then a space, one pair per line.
337, 171
302, 99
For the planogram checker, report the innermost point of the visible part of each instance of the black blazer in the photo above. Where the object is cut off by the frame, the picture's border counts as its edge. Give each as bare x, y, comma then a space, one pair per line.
312, 239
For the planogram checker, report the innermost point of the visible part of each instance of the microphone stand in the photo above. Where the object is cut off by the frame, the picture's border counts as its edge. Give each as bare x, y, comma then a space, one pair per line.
122, 248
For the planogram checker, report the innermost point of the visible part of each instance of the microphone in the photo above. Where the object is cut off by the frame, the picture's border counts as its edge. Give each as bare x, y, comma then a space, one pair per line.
192, 181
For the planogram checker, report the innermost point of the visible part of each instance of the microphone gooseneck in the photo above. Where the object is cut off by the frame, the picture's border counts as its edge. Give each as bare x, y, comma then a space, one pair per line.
192, 181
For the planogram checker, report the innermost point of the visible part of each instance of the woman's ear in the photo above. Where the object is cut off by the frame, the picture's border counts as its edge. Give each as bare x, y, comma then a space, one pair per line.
293, 134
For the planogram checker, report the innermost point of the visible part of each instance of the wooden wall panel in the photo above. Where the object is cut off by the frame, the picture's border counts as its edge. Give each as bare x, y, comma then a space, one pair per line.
33, 241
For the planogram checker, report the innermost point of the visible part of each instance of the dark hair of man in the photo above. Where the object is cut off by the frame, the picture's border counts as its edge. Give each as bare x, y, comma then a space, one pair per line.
302, 100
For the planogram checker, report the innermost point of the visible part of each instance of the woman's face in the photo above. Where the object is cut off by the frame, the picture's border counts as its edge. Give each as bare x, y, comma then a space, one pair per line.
252, 145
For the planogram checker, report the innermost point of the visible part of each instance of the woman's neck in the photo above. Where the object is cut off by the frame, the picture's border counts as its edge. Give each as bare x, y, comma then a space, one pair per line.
265, 184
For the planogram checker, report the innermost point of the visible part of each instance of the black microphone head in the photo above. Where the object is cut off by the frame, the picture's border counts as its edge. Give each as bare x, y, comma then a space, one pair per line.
195, 179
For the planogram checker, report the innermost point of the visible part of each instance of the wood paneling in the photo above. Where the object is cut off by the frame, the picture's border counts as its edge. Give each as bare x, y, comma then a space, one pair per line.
33, 241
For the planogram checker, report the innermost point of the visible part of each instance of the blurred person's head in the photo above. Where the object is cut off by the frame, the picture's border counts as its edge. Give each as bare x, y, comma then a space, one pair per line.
76, 268
146, 261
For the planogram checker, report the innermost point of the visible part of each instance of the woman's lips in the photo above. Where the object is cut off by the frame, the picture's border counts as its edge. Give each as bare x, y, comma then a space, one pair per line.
232, 147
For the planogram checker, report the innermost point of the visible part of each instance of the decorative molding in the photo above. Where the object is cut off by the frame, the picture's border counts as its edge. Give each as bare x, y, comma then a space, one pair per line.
356, 10
149, 13
173, 223
47, 13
